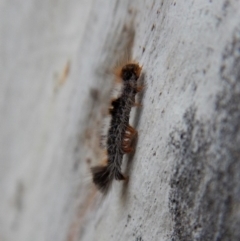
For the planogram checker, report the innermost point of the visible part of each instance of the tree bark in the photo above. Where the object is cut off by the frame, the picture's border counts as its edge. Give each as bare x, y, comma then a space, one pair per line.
56, 65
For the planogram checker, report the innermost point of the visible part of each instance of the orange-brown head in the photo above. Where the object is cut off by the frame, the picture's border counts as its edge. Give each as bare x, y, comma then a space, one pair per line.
130, 71
127, 71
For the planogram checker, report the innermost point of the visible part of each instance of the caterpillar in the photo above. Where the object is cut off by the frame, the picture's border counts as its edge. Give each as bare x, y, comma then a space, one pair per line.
120, 133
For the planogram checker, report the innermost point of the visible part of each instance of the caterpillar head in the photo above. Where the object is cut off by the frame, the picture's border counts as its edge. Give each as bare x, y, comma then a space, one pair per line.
130, 71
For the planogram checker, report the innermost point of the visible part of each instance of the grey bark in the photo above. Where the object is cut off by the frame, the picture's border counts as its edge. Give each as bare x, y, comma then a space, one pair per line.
55, 64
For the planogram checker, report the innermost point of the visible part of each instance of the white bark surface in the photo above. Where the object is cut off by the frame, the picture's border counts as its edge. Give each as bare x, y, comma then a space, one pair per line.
55, 64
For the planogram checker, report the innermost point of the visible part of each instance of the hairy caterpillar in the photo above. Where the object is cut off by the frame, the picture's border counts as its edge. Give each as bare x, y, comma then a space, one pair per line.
120, 133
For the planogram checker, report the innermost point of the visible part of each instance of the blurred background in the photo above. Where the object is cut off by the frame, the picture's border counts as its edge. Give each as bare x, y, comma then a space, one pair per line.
43, 96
